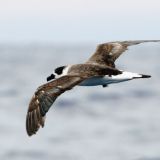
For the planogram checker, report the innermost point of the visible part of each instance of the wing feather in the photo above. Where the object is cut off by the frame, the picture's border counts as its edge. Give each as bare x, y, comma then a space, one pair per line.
43, 99
107, 53
46, 94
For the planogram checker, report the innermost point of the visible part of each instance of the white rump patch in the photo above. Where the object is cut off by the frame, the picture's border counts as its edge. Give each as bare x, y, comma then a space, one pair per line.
126, 75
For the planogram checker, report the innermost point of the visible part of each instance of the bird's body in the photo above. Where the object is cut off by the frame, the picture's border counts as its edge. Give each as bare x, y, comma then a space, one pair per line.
100, 70
106, 80
99, 80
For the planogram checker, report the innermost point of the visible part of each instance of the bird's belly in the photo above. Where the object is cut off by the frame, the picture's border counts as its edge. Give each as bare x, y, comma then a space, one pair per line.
99, 81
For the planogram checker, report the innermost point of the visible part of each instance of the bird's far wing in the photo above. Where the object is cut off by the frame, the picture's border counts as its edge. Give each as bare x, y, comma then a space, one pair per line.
43, 99
87, 70
107, 53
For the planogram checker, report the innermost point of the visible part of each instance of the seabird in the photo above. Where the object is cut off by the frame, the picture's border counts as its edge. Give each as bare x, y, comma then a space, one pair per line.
100, 70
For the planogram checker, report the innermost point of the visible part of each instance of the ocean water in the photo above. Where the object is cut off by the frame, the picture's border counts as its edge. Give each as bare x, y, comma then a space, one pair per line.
120, 122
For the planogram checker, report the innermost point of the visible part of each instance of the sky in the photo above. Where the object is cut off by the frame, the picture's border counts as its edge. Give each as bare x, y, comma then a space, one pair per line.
78, 21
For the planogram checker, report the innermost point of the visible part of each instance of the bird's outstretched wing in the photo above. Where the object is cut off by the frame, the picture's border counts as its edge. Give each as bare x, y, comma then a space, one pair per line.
44, 97
46, 94
107, 53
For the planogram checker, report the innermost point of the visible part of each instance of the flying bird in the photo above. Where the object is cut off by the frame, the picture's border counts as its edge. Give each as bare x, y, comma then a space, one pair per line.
99, 69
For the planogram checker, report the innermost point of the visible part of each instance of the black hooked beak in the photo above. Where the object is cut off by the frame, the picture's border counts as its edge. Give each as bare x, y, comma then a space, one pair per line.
49, 78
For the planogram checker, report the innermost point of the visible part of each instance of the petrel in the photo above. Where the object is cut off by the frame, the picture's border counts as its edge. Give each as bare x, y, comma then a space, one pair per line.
99, 69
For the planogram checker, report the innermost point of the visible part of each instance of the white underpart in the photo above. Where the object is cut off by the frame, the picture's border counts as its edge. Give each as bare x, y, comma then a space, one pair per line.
125, 76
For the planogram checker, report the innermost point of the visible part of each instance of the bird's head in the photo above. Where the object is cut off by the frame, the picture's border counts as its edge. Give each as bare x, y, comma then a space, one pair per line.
58, 72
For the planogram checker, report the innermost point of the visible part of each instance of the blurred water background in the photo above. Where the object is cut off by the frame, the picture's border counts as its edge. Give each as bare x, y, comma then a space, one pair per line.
121, 122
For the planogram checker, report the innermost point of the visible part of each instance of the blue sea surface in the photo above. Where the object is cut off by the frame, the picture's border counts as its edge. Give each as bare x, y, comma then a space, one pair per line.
120, 122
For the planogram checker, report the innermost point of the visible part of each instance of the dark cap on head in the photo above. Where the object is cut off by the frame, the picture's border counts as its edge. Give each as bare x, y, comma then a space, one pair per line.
59, 70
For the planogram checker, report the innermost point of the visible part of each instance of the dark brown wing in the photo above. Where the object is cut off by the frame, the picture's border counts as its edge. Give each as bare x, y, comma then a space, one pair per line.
107, 53
46, 94
43, 99
91, 70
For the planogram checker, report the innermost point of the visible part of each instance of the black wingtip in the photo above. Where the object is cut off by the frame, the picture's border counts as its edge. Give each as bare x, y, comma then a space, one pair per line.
49, 78
145, 76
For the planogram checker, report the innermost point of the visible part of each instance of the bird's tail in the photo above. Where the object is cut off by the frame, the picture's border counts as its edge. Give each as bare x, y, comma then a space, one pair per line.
129, 76
142, 76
